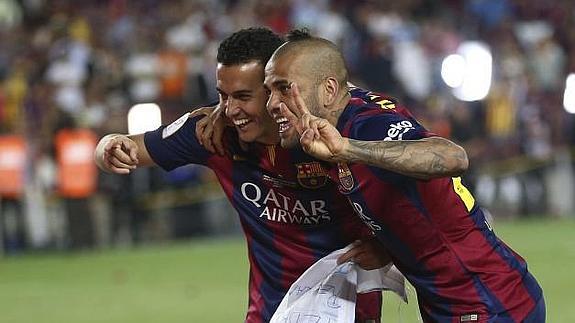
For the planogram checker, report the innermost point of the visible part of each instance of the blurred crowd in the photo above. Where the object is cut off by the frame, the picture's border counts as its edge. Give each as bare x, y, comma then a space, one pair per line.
80, 65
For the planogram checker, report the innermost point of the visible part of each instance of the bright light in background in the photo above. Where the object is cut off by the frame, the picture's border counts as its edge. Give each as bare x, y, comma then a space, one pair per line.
144, 117
453, 70
469, 71
569, 96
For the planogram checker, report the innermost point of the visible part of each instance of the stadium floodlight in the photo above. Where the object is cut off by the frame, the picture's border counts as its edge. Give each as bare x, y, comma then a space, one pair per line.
469, 71
453, 70
569, 95
144, 117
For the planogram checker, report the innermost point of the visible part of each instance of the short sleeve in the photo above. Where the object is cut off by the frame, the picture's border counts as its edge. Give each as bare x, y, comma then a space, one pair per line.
387, 126
176, 144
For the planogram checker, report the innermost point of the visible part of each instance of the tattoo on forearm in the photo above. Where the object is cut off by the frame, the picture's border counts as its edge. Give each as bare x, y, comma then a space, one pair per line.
428, 158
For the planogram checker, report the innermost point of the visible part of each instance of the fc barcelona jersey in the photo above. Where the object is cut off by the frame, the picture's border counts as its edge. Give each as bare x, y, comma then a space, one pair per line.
435, 232
290, 211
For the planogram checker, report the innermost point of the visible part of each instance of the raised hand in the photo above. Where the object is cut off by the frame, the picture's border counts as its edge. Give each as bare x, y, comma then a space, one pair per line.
210, 129
117, 154
318, 137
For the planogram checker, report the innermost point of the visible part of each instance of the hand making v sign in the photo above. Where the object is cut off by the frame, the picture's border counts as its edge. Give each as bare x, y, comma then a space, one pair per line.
317, 136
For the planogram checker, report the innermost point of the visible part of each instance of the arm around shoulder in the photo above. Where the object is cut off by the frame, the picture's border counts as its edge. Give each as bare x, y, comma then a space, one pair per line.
425, 158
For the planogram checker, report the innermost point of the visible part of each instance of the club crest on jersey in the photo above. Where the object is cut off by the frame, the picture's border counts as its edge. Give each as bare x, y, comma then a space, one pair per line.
311, 175
345, 176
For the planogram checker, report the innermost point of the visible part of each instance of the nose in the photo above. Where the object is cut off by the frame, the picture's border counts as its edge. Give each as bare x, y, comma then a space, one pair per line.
230, 107
273, 104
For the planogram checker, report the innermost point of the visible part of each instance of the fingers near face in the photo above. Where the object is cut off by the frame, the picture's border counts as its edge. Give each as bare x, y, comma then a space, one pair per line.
300, 104
281, 105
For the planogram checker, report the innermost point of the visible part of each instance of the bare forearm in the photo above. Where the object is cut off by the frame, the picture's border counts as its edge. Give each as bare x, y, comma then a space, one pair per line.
423, 159
144, 158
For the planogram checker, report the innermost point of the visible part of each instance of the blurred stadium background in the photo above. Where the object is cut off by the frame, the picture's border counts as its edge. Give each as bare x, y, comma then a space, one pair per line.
80, 245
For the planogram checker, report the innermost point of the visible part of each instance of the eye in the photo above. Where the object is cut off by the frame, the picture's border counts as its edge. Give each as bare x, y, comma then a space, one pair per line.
284, 88
243, 97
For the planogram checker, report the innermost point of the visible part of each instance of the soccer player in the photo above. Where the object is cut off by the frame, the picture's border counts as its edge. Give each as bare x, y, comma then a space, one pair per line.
291, 213
433, 229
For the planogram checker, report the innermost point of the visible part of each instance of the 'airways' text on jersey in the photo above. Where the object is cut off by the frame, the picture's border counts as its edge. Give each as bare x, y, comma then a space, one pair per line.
277, 207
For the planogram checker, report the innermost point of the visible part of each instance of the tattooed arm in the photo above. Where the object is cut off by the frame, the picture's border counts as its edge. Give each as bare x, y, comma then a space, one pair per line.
423, 159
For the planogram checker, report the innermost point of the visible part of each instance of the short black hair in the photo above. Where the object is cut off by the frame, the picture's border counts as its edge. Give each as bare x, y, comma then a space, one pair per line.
298, 34
250, 44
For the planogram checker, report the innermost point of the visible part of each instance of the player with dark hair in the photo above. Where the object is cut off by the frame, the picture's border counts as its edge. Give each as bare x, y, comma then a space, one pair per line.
248, 45
291, 214
433, 229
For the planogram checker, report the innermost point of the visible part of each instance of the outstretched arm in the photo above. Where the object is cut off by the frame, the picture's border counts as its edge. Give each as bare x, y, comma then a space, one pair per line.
423, 158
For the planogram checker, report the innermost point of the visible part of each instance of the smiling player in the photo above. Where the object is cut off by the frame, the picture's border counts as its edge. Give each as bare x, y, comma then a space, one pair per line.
432, 227
291, 214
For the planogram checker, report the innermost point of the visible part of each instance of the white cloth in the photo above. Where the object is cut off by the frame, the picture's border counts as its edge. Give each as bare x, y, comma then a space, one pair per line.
326, 292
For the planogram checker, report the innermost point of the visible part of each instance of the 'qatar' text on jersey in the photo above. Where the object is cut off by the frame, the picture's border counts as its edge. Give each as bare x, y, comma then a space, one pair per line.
291, 213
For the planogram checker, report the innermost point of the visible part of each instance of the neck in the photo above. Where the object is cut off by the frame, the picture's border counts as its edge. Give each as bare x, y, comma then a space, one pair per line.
335, 110
272, 139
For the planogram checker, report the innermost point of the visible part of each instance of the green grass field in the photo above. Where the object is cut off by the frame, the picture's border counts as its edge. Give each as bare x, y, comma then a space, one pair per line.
206, 280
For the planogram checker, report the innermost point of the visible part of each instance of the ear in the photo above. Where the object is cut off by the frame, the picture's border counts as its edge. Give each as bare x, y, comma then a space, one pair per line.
331, 91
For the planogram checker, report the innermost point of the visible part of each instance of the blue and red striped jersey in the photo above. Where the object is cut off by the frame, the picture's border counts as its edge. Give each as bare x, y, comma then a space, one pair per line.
291, 212
433, 229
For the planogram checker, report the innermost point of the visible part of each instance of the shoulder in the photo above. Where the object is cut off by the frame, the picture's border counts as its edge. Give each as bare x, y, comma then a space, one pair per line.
371, 98
376, 116
366, 106
176, 125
